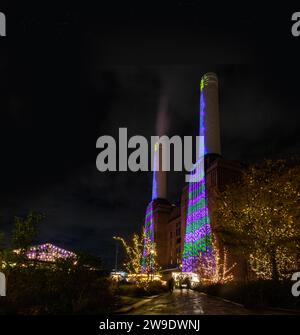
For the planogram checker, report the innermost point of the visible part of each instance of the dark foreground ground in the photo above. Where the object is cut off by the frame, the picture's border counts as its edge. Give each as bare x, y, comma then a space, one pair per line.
190, 302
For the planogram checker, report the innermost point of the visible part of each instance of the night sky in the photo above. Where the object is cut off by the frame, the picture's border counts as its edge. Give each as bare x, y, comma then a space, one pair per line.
70, 74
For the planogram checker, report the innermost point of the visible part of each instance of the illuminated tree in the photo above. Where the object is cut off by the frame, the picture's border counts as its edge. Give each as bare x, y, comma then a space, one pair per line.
8, 258
149, 261
213, 267
135, 262
133, 253
259, 218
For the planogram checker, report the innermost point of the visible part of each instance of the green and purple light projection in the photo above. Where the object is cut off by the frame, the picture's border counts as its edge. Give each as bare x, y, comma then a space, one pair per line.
198, 235
149, 218
159, 181
149, 236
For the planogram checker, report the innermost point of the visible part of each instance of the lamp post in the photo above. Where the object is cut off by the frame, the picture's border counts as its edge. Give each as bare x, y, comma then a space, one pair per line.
116, 259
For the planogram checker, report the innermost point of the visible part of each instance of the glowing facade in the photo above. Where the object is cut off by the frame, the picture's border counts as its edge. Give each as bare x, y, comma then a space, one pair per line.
198, 234
189, 237
49, 253
209, 113
149, 235
149, 218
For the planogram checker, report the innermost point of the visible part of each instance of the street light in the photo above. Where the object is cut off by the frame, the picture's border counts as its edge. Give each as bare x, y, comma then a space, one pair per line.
116, 259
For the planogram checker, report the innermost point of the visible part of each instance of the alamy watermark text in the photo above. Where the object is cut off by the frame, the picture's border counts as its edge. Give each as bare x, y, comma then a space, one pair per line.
160, 150
2, 24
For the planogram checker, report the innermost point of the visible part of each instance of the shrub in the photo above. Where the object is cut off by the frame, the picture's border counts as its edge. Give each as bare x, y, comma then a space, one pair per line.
142, 289
57, 291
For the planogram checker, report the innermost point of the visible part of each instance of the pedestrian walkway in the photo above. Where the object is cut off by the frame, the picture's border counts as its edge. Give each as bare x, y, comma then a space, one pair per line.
189, 302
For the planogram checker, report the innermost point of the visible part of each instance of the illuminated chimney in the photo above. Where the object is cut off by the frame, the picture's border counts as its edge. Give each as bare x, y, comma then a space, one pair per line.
198, 236
159, 184
209, 113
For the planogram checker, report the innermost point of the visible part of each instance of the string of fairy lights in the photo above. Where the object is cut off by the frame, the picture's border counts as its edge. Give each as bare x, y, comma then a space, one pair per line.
48, 253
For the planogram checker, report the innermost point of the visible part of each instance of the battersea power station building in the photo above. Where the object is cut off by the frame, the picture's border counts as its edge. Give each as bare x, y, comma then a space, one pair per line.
183, 235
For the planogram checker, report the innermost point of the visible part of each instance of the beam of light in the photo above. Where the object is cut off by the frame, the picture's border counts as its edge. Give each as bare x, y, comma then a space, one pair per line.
155, 172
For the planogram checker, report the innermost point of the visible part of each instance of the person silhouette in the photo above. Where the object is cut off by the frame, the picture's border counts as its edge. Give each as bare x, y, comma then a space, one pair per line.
171, 284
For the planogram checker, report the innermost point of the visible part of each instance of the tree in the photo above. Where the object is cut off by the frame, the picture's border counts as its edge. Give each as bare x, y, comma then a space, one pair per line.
8, 258
140, 255
259, 217
133, 253
149, 261
25, 230
213, 266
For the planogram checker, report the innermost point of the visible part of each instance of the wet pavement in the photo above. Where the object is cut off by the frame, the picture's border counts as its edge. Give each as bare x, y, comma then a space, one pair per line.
189, 302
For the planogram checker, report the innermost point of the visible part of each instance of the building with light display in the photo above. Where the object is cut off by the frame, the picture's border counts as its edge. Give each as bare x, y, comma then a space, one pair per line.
183, 234
48, 253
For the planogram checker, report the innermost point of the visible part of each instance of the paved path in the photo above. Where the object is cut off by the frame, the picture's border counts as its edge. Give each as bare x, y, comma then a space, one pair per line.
190, 302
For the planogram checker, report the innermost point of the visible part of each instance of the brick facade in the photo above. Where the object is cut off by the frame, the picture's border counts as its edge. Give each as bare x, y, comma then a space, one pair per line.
171, 220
